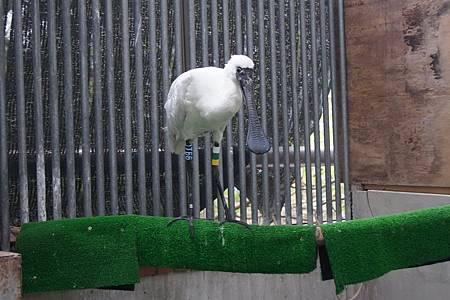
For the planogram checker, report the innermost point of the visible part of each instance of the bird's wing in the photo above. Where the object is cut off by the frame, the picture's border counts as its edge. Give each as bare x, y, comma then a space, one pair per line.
175, 108
176, 100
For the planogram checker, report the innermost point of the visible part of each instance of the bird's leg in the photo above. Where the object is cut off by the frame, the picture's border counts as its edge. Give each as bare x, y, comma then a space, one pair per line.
215, 166
188, 156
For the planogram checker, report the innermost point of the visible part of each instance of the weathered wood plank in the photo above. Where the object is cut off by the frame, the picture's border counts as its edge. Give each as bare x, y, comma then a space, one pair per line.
398, 55
10, 276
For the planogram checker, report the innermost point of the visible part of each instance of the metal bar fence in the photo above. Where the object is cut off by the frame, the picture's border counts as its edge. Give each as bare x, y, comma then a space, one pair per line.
240, 117
68, 109
179, 52
295, 113
20, 114
316, 116
192, 63
326, 114
154, 110
334, 97
299, 87
275, 116
110, 89
306, 111
140, 128
207, 139
284, 107
4, 174
262, 94
85, 109
39, 111
253, 176
54, 112
343, 89
98, 98
229, 130
127, 107
165, 77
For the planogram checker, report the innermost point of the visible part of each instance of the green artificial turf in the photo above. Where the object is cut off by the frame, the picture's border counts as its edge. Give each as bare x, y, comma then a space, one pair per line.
361, 250
78, 253
230, 248
107, 251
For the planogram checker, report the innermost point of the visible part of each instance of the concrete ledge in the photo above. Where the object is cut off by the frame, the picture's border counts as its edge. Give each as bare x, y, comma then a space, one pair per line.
198, 285
10, 276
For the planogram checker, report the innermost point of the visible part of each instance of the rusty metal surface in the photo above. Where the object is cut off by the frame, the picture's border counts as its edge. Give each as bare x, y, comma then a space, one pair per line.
10, 276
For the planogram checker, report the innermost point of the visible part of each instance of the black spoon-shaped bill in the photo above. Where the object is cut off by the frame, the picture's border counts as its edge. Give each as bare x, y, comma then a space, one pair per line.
257, 141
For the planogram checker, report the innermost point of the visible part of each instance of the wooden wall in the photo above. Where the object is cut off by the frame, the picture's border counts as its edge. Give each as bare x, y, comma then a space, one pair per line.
398, 60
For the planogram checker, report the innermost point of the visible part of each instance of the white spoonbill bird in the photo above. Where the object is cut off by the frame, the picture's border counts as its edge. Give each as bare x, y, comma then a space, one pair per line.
203, 100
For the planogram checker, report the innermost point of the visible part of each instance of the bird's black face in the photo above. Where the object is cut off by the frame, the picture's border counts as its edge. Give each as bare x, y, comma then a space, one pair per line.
257, 142
244, 75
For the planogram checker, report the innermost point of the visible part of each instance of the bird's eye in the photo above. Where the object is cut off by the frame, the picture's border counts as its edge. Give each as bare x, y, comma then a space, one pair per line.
239, 69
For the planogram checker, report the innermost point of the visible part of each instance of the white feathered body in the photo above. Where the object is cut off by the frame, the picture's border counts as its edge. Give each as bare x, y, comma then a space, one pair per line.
199, 101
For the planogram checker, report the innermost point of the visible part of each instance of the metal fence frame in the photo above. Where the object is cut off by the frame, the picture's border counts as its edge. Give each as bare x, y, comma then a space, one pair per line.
326, 20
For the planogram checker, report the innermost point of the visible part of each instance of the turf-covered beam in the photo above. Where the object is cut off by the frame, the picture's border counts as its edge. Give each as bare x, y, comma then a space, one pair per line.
107, 251
361, 250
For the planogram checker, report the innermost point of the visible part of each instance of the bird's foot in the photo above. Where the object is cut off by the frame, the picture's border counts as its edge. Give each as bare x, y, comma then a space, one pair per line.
190, 220
235, 222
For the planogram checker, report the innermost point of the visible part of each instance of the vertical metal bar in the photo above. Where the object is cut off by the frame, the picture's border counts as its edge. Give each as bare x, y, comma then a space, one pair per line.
336, 146
21, 125
154, 112
326, 117
229, 132
166, 82
242, 173
54, 110
343, 87
4, 179
179, 69
295, 103
262, 95
193, 64
38, 111
254, 192
99, 146
204, 31
142, 195
306, 105
110, 94
68, 107
127, 107
317, 164
275, 140
154, 107
84, 86
215, 56
284, 108
241, 134
207, 138
215, 37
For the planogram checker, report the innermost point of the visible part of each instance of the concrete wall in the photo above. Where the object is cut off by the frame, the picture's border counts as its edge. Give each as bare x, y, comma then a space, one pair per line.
430, 282
211, 285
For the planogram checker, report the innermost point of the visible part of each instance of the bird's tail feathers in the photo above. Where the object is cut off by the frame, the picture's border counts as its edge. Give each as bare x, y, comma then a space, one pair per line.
176, 144
178, 147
